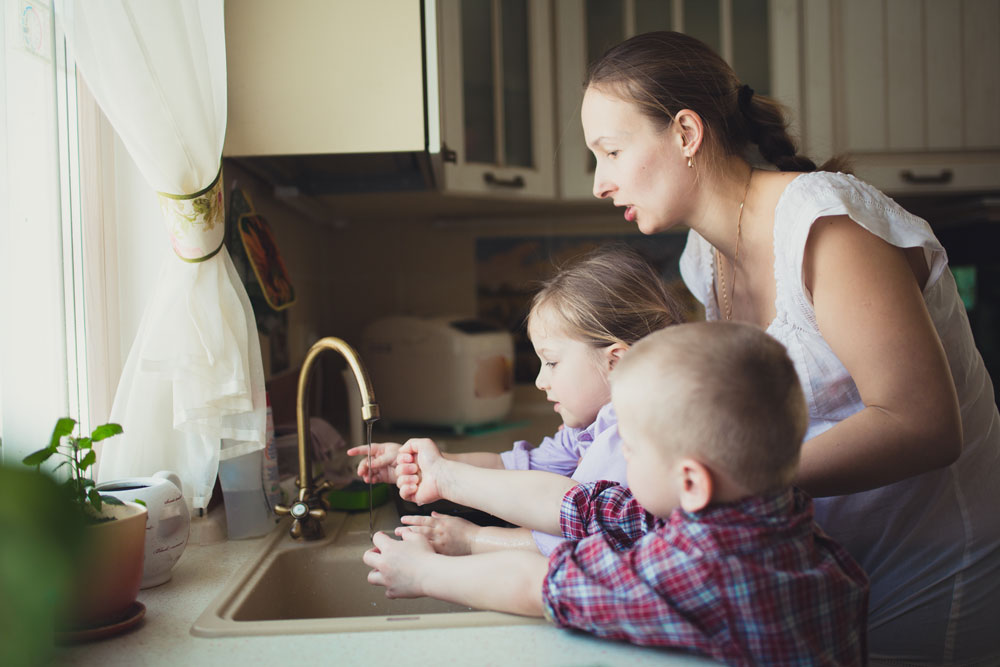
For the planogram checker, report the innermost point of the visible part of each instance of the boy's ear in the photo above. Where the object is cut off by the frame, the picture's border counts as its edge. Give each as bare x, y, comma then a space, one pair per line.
614, 353
691, 130
696, 485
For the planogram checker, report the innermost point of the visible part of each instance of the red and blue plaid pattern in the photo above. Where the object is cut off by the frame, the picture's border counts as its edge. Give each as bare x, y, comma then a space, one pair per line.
749, 583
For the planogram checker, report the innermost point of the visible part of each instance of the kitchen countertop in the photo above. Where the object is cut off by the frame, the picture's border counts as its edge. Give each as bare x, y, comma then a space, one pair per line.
163, 636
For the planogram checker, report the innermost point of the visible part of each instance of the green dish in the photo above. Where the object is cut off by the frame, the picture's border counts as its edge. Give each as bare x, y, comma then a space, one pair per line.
354, 496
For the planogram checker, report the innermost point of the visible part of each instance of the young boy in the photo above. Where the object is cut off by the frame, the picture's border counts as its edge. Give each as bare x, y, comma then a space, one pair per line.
710, 551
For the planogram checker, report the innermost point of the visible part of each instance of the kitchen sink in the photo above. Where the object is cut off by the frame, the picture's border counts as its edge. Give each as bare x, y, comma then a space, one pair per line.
321, 586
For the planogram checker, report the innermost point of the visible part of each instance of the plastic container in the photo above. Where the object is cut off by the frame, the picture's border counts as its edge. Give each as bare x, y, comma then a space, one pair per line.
270, 477
247, 513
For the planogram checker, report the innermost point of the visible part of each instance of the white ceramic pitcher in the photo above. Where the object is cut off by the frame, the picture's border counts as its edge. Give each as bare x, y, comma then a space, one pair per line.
168, 521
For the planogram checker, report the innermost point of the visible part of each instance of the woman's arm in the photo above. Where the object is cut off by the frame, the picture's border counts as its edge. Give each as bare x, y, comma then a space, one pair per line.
870, 310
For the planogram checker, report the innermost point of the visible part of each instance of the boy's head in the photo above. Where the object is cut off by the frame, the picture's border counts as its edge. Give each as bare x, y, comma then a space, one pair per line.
710, 398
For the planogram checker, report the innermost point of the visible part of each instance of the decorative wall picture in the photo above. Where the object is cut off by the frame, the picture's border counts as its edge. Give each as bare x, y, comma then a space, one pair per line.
262, 251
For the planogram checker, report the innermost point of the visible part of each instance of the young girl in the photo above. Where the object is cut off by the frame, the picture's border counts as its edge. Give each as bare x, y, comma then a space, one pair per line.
580, 323
904, 430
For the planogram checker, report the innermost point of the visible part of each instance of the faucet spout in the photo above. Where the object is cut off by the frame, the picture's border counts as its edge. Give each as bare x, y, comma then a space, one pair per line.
306, 511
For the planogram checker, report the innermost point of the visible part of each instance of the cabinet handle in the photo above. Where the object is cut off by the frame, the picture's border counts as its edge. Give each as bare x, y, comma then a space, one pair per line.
491, 179
931, 179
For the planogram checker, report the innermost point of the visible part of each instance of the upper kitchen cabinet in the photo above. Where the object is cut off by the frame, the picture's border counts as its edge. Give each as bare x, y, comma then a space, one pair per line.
342, 96
495, 63
324, 76
754, 36
908, 89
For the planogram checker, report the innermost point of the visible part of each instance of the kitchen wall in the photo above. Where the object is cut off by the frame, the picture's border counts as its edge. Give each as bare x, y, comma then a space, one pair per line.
406, 253
346, 272
349, 267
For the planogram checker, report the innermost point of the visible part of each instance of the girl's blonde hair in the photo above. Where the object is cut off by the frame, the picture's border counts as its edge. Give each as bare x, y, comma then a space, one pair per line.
611, 295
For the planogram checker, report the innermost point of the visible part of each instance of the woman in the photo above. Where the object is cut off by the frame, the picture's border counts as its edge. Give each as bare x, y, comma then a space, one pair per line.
903, 449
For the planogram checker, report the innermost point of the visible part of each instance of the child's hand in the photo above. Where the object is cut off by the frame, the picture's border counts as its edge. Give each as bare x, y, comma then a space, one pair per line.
418, 471
395, 564
448, 535
383, 468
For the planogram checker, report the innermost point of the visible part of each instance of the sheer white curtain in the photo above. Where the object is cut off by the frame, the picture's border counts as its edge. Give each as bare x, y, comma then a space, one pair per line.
192, 389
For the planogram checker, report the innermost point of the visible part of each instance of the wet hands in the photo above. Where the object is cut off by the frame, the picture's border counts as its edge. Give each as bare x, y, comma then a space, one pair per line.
383, 462
396, 564
418, 471
447, 535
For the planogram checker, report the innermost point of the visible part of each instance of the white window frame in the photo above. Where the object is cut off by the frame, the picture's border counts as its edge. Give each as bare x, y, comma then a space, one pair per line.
43, 362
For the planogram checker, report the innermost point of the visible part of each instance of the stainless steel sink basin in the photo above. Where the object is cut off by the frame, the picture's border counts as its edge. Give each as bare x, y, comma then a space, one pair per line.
321, 586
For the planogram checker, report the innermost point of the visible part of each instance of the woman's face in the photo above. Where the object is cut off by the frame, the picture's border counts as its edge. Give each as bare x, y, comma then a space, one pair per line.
574, 375
639, 166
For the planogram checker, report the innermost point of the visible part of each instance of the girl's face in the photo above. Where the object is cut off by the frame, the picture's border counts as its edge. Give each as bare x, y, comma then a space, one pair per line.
574, 375
639, 166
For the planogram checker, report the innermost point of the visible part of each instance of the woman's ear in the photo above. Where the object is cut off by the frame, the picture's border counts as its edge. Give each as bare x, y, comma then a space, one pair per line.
613, 353
691, 131
696, 485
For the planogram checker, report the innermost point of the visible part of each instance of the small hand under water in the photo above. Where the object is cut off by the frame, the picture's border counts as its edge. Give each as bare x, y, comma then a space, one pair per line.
395, 564
448, 535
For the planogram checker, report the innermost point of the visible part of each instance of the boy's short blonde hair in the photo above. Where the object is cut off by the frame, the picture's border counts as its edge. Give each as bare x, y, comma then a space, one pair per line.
724, 393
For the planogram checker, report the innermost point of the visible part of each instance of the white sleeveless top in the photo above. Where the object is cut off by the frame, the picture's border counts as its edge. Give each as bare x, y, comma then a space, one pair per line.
931, 543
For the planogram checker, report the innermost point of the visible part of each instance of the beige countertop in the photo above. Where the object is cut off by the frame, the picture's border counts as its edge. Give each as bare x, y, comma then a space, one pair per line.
163, 636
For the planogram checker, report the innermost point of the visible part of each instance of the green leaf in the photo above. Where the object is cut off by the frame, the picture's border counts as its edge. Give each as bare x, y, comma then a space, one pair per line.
111, 500
105, 431
88, 460
84, 482
95, 499
141, 502
63, 428
81, 443
37, 458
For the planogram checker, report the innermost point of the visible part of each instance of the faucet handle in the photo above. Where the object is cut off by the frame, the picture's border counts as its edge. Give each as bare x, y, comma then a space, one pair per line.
320, 495
305, 521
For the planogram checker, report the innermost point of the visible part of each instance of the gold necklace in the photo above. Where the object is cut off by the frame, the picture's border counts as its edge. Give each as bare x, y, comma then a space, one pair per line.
718, 256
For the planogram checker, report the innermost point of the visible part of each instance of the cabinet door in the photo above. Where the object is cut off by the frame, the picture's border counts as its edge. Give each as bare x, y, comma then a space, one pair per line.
739, 30
324, 76
496, 70
914, 91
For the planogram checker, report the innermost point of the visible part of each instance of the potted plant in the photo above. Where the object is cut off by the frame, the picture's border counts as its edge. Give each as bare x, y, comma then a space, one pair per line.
106, 584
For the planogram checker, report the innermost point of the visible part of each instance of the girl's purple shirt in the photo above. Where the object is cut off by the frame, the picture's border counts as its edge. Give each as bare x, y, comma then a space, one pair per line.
583, 454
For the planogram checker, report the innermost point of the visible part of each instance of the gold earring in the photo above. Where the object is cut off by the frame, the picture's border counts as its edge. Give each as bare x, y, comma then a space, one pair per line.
690, 162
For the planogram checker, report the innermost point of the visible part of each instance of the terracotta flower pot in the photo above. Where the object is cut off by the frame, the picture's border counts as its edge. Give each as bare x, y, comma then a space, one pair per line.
111, 568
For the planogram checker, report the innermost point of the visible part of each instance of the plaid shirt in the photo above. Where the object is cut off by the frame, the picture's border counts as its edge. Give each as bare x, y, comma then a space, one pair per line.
749, 583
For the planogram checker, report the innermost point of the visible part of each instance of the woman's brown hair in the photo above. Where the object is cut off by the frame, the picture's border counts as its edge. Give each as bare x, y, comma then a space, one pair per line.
665, 72
611, 295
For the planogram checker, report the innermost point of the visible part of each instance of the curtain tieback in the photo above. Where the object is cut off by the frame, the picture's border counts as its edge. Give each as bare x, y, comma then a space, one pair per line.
196, 222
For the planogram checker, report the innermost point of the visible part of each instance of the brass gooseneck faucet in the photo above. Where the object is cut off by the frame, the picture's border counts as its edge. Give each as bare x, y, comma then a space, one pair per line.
310, 507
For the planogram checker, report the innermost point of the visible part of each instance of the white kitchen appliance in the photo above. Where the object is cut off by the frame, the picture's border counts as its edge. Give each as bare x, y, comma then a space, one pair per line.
168, 522
442, 371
